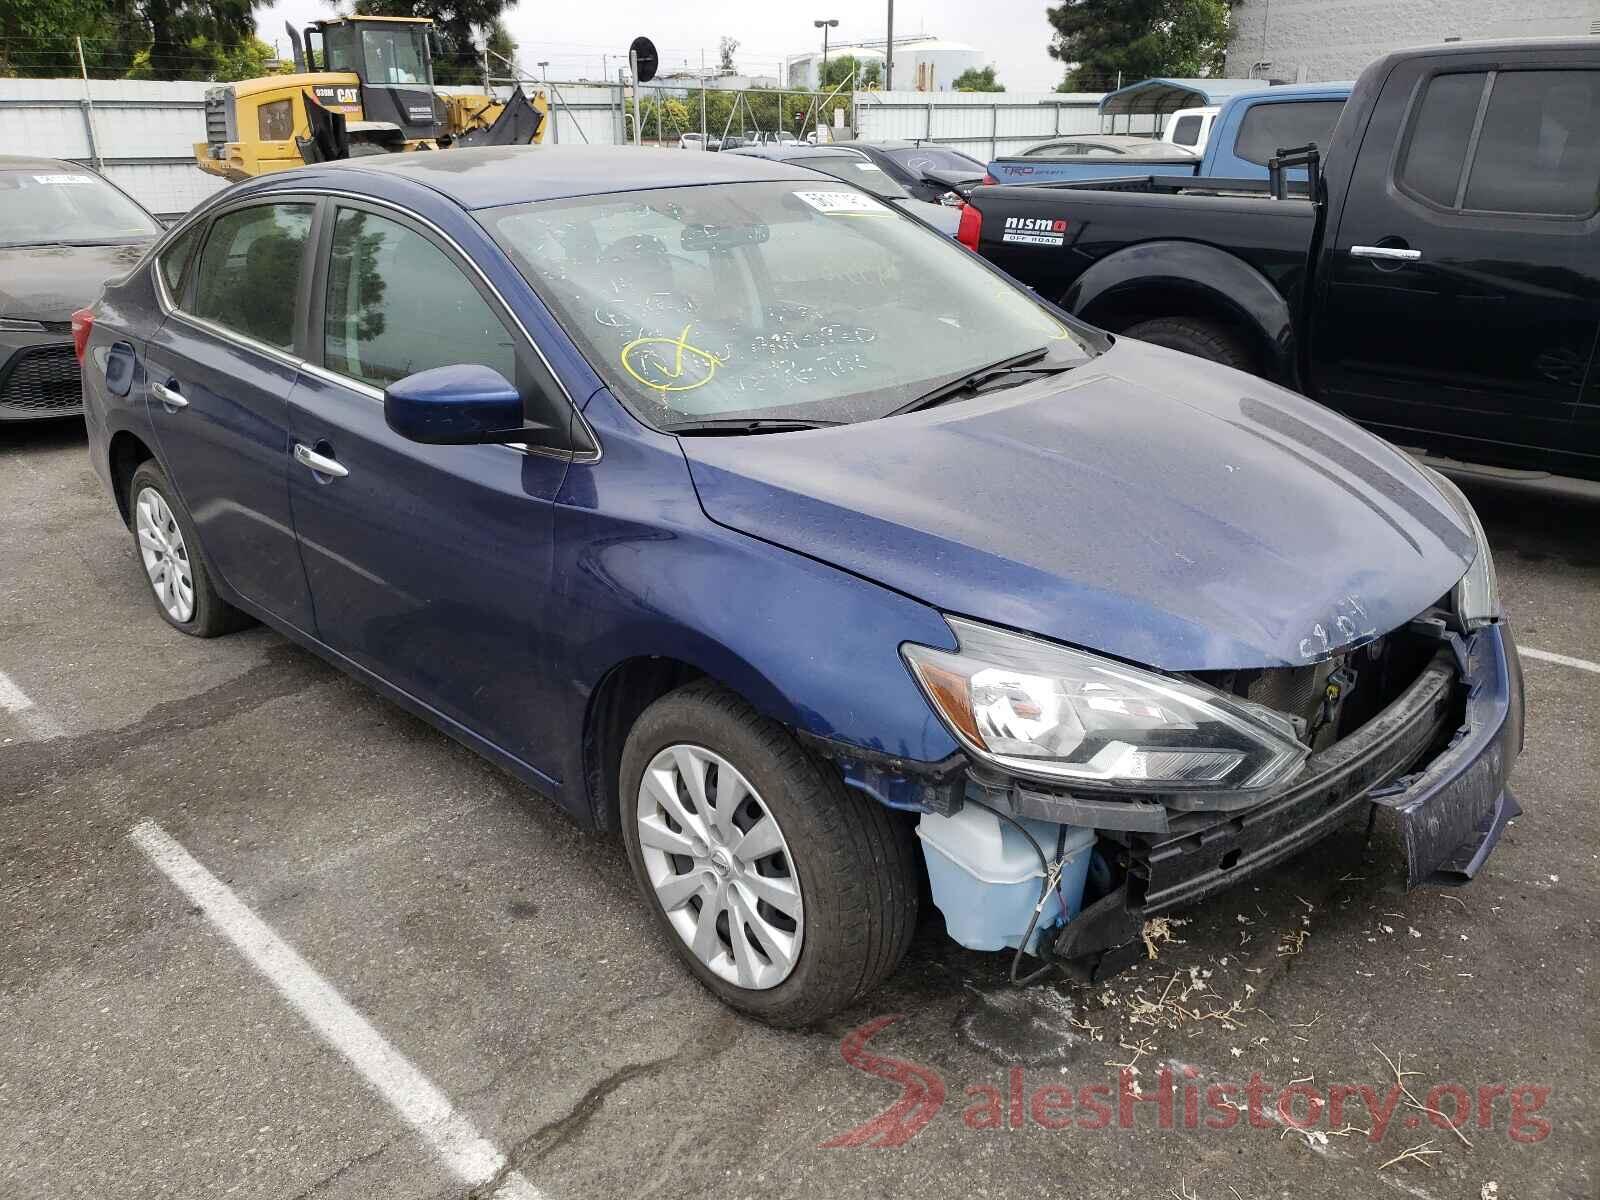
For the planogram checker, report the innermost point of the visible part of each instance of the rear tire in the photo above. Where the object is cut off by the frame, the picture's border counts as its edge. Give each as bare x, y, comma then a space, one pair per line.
1203, 339
848, 861
168, 550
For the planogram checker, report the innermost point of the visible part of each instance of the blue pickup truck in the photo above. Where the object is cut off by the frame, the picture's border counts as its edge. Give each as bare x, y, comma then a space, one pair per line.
1250, 128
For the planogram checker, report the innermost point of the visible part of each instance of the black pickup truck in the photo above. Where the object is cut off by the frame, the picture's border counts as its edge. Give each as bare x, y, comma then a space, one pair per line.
1437, 280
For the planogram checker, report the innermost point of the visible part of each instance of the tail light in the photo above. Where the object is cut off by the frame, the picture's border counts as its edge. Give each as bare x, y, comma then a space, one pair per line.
989, 180
971, 226
82, 327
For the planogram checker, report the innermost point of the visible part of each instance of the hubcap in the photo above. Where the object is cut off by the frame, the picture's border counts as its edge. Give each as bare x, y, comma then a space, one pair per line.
720, 867
166, 558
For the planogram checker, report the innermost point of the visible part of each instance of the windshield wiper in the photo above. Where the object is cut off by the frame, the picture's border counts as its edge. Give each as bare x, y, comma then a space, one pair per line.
735, 426
1026, 363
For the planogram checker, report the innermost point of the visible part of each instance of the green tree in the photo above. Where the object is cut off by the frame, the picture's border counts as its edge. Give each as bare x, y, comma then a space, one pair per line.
163, 39
974, 79
725, 51
458, 59
839, 70
1136, 39
249, 59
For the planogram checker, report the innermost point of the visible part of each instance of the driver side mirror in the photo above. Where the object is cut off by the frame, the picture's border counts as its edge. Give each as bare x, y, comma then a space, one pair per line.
462, 405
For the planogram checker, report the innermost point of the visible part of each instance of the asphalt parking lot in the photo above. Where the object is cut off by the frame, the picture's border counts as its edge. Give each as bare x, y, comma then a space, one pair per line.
264, 935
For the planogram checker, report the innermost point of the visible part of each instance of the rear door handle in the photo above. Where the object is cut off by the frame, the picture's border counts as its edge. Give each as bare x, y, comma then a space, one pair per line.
1390, 252
169, 396
320, 463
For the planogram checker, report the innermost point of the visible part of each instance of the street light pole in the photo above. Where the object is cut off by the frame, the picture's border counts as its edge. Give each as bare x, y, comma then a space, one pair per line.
824, 26
888, 54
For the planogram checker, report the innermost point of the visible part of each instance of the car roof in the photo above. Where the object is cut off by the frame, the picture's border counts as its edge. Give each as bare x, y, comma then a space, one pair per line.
27, 162
489, 176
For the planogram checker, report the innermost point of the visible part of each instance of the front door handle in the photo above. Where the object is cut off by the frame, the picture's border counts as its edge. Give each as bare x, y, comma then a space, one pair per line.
1394, 253
168, 395
320, 463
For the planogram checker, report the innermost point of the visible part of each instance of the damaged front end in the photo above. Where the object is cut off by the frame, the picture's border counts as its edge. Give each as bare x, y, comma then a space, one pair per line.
1193, 782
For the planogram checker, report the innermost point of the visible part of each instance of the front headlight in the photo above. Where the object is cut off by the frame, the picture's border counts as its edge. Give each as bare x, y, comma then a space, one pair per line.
1476, 596
1042, 710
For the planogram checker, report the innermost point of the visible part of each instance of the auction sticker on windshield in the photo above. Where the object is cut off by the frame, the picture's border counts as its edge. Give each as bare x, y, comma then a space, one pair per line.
843, 204
1034, 231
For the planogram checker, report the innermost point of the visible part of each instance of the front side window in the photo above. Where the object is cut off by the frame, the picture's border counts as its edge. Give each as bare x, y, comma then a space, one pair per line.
1539, 148
1270, 127
394, 56
768, 300
397, 304
250, 271
67, 207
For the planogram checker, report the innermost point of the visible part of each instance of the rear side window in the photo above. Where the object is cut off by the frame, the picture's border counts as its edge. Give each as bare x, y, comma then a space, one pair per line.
1186, 131
1539, 148
175, 259
1268, 128
250, 271
397, 304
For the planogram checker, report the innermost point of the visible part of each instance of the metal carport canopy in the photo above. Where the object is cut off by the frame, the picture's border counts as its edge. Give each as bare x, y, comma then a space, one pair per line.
1159, 96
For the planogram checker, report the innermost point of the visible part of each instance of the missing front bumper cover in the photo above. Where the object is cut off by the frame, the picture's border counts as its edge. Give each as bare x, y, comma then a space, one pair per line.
1451, 806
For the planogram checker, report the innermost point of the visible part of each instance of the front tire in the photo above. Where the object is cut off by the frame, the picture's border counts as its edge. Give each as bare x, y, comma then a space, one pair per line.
1203, 339
786, 893
168, 549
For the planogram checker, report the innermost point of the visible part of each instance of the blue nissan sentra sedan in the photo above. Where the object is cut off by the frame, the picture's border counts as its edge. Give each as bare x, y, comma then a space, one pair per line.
740, 514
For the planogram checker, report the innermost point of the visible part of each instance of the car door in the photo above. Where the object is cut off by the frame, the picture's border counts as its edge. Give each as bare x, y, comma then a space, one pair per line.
220, 369
429, 565
1460, 299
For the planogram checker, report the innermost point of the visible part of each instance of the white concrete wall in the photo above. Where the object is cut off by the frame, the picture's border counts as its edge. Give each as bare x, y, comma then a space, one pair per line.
982, 124
144, 131
1315, 40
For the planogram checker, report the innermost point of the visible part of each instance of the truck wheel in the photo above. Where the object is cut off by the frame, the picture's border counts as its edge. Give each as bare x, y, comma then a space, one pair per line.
1203, 339
787, 894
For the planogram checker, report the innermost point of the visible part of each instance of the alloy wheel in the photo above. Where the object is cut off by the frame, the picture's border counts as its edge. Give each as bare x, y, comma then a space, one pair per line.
166, 558
720, 867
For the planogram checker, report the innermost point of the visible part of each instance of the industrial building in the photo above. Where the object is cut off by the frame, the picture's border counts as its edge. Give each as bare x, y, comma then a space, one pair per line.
1304, 41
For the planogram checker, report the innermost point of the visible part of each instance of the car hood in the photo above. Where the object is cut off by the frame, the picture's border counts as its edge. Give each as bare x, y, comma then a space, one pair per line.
1146, 505
47, 283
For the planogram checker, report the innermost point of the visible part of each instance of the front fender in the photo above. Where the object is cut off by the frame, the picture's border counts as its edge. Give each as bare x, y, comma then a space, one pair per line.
1202, 275
648, 574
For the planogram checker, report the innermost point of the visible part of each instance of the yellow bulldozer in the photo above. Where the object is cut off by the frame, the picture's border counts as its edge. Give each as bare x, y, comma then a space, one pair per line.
362, 85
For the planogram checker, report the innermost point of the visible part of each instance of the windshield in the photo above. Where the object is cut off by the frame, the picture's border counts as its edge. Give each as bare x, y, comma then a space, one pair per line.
851, 169
804, 301
394, 56
934, 158
67, 207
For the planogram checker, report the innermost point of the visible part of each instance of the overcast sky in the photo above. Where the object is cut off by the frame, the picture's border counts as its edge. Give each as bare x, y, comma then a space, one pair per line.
1012, 34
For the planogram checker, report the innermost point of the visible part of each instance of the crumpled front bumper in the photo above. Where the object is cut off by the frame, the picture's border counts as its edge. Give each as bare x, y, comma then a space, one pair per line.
1447, 788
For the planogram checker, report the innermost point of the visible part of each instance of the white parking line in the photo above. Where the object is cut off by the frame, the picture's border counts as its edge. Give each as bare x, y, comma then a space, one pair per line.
408, 1091
34, 721
1565, 660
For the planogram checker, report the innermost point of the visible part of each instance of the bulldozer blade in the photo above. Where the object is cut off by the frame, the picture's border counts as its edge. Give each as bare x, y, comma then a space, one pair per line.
517, 125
